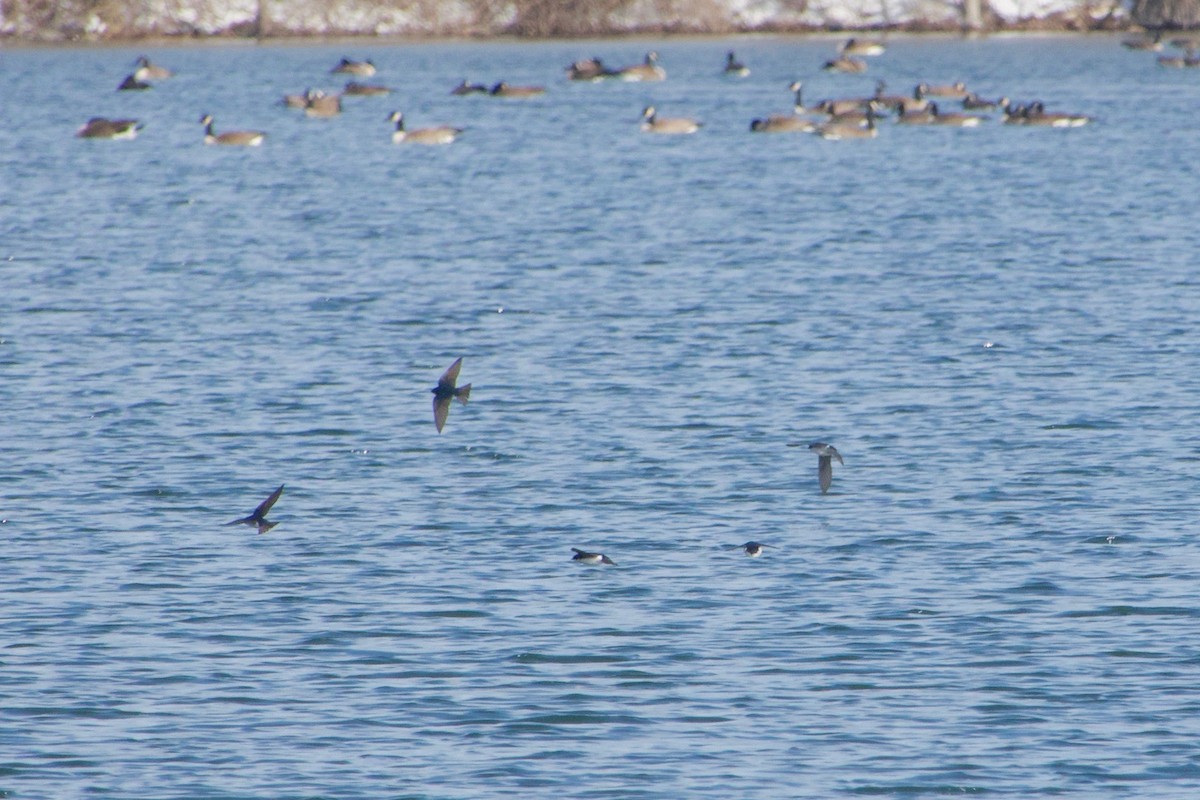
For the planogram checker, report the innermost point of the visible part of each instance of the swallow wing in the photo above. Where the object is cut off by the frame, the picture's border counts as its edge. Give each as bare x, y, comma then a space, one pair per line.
825, 472
450, 376
265, 505
441, 410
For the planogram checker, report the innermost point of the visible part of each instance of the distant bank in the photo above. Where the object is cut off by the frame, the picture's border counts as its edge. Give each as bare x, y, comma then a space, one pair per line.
115, 20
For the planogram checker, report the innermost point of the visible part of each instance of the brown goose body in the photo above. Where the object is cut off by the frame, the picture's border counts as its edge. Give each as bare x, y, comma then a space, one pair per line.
442, 134
230, 138
102, 128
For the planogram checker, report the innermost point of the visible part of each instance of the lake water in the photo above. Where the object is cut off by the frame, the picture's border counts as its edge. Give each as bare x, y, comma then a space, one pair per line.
996, 327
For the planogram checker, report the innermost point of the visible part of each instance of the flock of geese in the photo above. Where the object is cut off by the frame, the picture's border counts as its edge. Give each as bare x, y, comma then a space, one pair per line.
833, 119
1153, 42
448, 390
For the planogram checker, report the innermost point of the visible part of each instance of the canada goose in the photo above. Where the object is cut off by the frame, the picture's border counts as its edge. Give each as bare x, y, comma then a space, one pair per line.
845, 64
844, 105
150, 72
1187, 42
1144, 42
1013, 114
797, 90
1035, 114
297, 100
590, 69
101, 128
889, 101
735, 68
976, 103
918, 116
364, 69
237, 138
954, 90
783, 123
503, 89
914, 103
355, 89
1186, 60
322, 106
954, 120
861, 47
132, 84
652, 123
648, 70
443, 134
465, 88
836, 129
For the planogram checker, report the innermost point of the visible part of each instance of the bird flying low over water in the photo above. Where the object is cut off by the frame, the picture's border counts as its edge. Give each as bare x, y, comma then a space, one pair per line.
753, 549
258, 516
446, 391
826, 453
583, 556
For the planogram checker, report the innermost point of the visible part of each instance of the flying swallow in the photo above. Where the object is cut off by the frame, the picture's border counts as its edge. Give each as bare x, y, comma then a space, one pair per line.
445, 391
259, 515
753, 549
585, 557
826, 453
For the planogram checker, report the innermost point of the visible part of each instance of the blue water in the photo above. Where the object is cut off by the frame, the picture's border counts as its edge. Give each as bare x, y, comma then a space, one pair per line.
996, 327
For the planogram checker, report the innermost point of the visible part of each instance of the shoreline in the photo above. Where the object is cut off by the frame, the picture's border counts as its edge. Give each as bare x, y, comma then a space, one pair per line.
161, 40
840, 18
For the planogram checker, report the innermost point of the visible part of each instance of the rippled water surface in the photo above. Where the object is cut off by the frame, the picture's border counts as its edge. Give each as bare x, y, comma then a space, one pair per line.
996, 327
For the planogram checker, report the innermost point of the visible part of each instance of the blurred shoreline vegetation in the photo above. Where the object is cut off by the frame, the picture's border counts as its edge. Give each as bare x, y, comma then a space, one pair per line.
123, 20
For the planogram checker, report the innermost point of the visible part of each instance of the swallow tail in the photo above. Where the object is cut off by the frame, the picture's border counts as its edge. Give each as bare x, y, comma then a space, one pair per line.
462, 393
